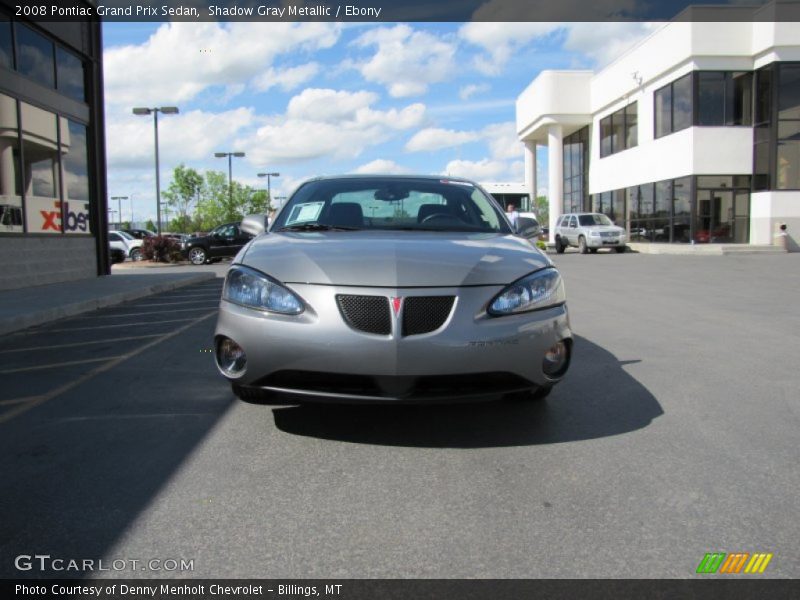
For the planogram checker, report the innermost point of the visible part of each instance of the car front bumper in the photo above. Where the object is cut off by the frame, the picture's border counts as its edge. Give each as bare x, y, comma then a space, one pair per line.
605, 242
317, 356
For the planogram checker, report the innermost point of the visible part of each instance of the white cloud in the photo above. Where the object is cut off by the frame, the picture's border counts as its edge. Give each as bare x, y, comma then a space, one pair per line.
501, 40
287, 79
432, 139
380, 166
328, 123
482, 170
406, 61
466, 92
180, 60
194, 135
503, 141
604, 42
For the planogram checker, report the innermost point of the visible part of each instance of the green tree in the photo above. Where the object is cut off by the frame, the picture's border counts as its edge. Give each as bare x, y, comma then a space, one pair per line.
542, 209
184, 190
126, 225
150, 226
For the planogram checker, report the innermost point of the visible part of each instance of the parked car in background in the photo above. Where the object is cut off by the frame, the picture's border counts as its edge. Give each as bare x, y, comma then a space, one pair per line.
178, 237
222, 242
139, 234
588, 232
116, 255
127, 243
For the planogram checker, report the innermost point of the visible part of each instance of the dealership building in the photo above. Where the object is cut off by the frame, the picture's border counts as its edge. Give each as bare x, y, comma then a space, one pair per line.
52, 151
692, 136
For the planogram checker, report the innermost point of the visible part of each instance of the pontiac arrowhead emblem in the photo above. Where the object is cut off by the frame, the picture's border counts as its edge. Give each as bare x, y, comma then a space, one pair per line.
396, 304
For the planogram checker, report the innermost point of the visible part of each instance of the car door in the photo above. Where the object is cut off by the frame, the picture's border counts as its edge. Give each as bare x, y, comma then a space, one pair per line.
572, 230
220, 239
115, 240
240, 239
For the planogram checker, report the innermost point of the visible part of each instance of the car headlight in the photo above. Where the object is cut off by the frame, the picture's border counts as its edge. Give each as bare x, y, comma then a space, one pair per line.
250, 288
594, 233
542, 289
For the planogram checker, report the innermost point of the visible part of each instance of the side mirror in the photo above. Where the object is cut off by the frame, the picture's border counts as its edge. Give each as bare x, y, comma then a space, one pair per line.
254, 224
528, 228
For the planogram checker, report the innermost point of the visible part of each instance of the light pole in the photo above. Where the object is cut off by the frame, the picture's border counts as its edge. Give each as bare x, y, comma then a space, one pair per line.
230, 155
113, 212
269, 187
167, 110
119, 200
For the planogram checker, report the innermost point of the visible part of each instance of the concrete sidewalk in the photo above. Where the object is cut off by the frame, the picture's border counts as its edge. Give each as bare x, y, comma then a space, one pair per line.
31, 306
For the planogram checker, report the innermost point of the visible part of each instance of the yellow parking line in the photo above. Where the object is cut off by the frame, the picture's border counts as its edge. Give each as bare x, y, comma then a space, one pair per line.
15, 412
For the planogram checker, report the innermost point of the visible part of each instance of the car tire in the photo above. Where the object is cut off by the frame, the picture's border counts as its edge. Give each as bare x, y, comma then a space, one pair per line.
620, 249
198, 256
593, 250
559, 246
536, 395
136, 254
582, 247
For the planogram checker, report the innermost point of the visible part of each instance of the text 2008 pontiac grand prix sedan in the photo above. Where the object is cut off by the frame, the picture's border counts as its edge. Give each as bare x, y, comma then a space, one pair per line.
387, 289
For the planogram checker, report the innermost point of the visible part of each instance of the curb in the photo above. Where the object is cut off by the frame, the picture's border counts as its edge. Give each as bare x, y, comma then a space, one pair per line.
48, 315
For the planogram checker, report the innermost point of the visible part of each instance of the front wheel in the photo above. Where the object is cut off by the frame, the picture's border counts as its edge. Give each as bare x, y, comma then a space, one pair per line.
560, 246
197, 256
593, 250
582, 247
136, 254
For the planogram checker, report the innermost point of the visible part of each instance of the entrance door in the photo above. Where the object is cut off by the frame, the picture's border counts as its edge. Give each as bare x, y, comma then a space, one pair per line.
715, 217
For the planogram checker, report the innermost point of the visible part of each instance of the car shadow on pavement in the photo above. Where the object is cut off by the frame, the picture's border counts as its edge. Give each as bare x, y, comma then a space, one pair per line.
598, 398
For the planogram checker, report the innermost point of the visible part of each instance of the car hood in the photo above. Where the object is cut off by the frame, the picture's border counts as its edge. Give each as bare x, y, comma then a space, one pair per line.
393, 259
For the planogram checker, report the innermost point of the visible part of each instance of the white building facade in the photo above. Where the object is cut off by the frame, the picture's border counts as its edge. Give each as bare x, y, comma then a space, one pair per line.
692, 136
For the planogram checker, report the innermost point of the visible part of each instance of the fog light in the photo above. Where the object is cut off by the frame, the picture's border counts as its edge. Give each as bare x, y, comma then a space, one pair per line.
556, 360
231, 357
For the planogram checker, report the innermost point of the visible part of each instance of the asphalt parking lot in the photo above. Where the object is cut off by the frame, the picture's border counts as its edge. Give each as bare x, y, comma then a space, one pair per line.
674, 434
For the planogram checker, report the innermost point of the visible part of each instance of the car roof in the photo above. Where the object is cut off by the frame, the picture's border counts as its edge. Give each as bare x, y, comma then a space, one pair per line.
392, 176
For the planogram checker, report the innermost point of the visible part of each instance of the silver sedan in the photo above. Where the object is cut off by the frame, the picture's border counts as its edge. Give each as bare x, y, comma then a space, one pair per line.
391, 289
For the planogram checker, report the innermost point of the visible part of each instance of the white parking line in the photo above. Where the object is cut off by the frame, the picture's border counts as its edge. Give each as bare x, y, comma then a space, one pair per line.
57, 365
136, 324
74, 344
37, 400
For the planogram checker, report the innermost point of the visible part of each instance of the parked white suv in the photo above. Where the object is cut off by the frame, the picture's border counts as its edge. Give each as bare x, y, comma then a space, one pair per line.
127, 243
589, 232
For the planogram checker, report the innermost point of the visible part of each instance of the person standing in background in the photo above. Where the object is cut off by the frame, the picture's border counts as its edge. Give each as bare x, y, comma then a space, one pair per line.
512, 214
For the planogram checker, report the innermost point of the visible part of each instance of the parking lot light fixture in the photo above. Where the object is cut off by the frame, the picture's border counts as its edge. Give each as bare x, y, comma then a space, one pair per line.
167, 110
269, 187
230, 155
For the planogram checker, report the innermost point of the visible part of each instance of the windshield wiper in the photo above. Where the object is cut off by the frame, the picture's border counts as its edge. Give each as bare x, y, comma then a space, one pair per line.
317, 227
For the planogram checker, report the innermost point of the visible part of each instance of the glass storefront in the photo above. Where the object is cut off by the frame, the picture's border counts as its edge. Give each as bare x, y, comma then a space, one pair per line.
576, 170
702, 209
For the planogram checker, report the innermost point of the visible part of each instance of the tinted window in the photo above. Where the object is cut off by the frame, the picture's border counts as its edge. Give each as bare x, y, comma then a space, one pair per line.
711, 98
663, 111
605, 136
631, 125
35, 56
69, 69
6, 56
113, 237
789, 92
682, 103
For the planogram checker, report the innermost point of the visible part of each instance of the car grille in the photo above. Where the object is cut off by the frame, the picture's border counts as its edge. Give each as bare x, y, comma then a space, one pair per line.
608, 234
371, 314
366, 313
423, 314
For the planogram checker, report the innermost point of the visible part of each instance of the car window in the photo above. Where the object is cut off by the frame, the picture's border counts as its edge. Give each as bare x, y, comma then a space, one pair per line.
594, 219
573, 222
113, 237
392, 203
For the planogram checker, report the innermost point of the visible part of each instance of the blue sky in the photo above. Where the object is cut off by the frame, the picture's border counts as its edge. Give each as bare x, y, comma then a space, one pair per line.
306, 99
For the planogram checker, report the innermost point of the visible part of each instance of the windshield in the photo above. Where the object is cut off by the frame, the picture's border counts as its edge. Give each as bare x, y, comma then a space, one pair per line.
126, 236
392, 204
594, 219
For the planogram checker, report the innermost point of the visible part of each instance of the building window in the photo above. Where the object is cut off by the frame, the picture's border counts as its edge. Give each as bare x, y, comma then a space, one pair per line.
76, 177
35, 56
6, 51
576, 171
70, 75
724, 98
673, 106
762, 133
787, 175
40, 170
10, 184
618, 130
611, 204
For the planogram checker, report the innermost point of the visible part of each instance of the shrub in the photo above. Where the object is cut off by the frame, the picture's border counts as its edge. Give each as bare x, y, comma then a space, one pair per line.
541, 245
161, 249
